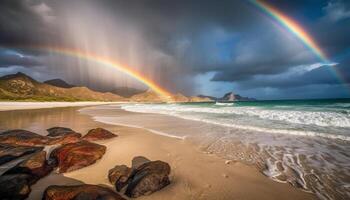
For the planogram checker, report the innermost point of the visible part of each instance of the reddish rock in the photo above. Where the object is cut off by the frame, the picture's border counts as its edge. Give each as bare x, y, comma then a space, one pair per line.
98, 134
148, 178
9, 152
23, 138
119, 176
35, 167
62, 135
58, 131
80, 192
14, 187
73, 156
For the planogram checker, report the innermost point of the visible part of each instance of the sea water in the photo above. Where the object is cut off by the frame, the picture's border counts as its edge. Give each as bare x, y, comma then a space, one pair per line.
302, 142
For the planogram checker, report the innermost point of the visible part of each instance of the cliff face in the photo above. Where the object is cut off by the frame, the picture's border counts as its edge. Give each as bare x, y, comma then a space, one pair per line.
22, 87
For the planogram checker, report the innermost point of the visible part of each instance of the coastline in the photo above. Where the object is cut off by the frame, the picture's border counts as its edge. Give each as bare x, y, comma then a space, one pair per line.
195, 175
23, 105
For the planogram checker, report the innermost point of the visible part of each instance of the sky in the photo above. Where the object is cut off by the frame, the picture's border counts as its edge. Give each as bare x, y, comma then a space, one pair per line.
188, 46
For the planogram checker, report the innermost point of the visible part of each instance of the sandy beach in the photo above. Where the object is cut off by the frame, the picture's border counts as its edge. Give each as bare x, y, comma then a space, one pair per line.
194, 175
6, 105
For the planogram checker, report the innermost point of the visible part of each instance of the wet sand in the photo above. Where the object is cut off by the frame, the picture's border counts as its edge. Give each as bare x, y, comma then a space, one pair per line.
194, 175
8, 105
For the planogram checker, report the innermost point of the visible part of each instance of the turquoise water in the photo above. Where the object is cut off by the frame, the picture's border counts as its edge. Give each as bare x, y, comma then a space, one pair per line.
324, 118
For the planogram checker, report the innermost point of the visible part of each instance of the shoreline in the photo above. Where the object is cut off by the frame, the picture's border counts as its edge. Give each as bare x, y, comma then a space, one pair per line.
194, 175
23, 105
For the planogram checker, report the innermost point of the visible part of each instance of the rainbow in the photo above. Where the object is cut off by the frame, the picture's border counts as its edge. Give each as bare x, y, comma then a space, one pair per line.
296, 29
163, 93
293, 27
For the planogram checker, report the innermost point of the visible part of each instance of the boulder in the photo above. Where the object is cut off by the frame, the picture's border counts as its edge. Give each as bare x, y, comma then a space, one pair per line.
148, 178
14, 187
23, 138
119, 176
9, 152
98, 134
57, 131
80, 192
62, 135
35, 167
137, 161
73, 156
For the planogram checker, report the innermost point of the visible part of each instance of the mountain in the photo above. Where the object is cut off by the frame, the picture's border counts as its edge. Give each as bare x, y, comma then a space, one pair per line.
234, 97
151, 96
199, 99
59, 83
230, 96
147, 96
126, 91
22, 87
208, 97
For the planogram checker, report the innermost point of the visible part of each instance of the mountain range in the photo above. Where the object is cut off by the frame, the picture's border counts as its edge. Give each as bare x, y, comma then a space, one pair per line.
230, 96
22, 87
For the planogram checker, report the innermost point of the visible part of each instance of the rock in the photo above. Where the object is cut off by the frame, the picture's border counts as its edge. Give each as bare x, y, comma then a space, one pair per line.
73, 156
62, 135
14, 187
138, 161
119, 176
99, 134
58, 131
9, 152
148, 178
35, 167
23, 138
80, 192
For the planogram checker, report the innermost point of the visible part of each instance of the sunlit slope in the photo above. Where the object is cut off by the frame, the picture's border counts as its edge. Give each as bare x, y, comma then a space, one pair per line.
22, 87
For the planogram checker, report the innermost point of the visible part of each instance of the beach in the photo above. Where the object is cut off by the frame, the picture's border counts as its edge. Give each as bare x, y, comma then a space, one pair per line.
195, 174
8, 105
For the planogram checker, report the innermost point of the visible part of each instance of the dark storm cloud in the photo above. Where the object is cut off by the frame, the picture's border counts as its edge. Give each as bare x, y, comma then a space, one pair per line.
334, 74
21, 23
7, 60
185, 38
166, 24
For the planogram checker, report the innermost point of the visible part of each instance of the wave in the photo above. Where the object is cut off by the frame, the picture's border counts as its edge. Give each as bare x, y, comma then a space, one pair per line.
320, 119
223, 104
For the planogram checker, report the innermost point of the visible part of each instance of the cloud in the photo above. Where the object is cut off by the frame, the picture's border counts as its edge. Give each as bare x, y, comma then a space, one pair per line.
304, 75
12, 58
337, 10
173, 41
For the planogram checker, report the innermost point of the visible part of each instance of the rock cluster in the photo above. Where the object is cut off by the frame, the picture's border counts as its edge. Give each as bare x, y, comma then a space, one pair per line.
72, 152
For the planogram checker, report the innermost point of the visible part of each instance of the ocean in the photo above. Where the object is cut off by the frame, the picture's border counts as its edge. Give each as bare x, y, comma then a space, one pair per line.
305, 143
